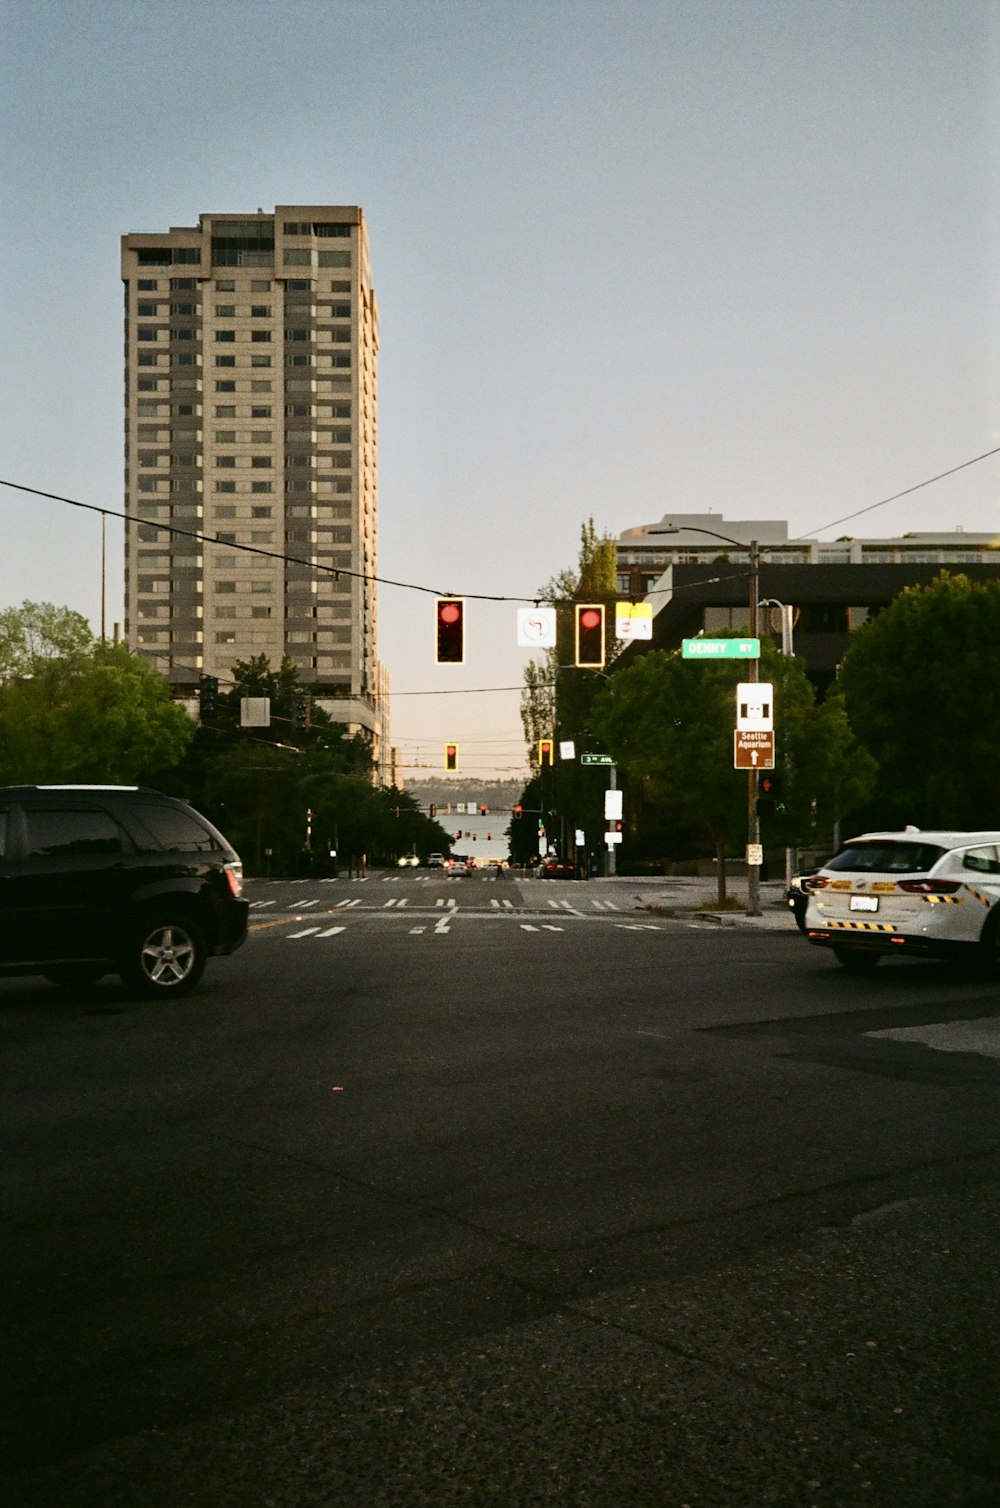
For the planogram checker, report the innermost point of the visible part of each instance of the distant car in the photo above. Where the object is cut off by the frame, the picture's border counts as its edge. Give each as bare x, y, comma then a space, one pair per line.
435, 861
558, 869
408, 861
458, 865
99, 880
797, 895
924, 893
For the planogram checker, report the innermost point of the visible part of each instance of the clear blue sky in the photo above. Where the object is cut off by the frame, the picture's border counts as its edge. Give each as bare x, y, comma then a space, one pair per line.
631, 258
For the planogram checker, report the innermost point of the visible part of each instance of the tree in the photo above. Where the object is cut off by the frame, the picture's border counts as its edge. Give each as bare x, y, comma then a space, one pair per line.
669, 725
919, 683
37, 632
98, 716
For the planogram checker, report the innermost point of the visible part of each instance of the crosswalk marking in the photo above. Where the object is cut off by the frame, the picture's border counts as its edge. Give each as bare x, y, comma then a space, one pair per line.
303, 904
547, 928
441, 925
331, 931
343, 905
527, 927
259, 905
306, 932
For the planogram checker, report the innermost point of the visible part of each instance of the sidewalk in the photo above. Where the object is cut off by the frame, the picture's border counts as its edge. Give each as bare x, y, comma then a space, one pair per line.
693, 897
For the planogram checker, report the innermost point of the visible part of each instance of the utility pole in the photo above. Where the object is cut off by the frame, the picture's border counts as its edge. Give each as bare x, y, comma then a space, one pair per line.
753, 821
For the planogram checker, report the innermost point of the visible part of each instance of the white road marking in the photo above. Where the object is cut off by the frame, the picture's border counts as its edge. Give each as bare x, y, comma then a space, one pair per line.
441, 925
527, 927
303, 904
331, 931
259, 905
306, 932
547, 928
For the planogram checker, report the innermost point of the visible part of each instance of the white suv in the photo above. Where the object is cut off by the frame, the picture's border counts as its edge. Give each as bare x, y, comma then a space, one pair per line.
930, 893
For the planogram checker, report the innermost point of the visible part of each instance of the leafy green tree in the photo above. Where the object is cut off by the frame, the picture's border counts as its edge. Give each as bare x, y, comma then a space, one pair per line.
37, 632
98, 716
919, 683
669, 724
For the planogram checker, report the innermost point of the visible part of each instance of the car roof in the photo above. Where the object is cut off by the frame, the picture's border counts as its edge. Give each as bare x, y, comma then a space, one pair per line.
941, 838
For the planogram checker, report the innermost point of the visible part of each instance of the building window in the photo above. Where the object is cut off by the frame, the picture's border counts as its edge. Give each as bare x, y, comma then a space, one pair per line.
227, 461
146, 332
147, 285
260, 512
225, 361
260, 437
225, 387
226, 637
260, 337
298, 360
225, 285
262, 487
260, 361
260, 311
330, 228
260, 386
147, 310
225, 587
298, 285
260, 285
334, 259
225, 410
226, 335
261, 587
260, 462
225, 437
261, 612
225, 510
260, 411
297, 258
187, 254
182, 285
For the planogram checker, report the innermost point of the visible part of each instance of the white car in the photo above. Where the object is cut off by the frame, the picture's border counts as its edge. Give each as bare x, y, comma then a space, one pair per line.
929, 893
408, 861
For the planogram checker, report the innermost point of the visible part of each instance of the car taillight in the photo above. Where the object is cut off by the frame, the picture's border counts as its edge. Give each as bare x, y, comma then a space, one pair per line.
234, 875
930, 887
814, 882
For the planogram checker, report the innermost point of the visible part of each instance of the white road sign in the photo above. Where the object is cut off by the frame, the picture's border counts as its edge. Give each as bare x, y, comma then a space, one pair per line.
536, 627
755, 706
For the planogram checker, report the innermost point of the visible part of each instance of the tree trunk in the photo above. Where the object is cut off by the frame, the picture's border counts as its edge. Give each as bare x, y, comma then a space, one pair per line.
720, 870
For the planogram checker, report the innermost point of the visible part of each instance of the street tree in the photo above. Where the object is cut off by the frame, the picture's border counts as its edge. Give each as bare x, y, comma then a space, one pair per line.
669, 725
919, 685
102, 715
37, 632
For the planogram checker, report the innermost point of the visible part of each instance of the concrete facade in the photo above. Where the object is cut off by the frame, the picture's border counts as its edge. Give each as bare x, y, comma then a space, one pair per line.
251, 346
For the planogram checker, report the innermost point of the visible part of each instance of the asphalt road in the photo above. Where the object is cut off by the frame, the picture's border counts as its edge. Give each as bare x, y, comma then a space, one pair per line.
485, 1192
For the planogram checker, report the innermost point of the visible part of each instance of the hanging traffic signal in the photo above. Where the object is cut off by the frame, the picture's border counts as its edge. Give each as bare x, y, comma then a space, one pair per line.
546, 754
451, 758
208, 696
450, 631
589, 637
300, 711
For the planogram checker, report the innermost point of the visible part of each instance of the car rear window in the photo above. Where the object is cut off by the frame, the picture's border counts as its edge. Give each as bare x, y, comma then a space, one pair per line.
887, 857
172, 828
65, 833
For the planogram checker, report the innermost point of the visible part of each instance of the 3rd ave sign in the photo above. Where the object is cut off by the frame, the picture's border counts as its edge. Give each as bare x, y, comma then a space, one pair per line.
753, 749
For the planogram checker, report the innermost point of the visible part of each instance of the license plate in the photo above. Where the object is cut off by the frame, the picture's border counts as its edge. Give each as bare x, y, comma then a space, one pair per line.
864, 902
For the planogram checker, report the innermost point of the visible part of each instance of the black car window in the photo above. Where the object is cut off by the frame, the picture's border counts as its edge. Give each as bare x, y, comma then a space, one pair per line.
172, 828
984, 860
887, 857
65, 833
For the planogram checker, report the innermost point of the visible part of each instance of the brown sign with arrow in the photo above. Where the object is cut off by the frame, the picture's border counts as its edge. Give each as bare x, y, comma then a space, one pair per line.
753, 749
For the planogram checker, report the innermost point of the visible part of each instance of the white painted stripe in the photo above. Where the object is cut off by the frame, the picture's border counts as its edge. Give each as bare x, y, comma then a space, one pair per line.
259, 905
331, 931
527, 927
547, 928
306, 932
303, 904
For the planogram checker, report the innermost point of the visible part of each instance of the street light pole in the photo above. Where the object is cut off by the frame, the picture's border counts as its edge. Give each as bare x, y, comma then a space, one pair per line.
753, 821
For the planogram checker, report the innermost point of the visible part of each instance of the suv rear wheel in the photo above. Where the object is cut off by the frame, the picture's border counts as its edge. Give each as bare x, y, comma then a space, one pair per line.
165, 955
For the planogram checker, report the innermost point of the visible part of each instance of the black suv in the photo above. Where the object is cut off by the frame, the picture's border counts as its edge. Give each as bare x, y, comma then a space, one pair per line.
114, 879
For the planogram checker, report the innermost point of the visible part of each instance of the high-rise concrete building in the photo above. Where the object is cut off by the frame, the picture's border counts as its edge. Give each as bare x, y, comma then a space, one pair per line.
251, 347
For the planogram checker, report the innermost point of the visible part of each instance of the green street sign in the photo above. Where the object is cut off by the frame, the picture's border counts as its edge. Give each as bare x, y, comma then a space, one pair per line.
720, 649
596, 759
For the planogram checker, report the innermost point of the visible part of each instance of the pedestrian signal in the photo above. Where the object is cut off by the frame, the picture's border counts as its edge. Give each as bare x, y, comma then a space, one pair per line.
451, 757
450, 631
589, 637
545, 752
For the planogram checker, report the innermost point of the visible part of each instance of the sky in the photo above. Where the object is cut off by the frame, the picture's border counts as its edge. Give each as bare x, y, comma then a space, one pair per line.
631, 259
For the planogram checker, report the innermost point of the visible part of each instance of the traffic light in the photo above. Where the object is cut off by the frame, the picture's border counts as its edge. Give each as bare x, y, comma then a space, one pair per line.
208, 696
434, 810
451, 757
300, 711
769, 788
450, 622
589, 638
546, 752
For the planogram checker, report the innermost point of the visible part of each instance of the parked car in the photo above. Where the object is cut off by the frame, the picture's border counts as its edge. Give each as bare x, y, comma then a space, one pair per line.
114, 879
924, 893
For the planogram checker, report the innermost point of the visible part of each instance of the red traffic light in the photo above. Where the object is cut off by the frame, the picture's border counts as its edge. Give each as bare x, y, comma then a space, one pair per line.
451, 757
450, 628
589, 636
